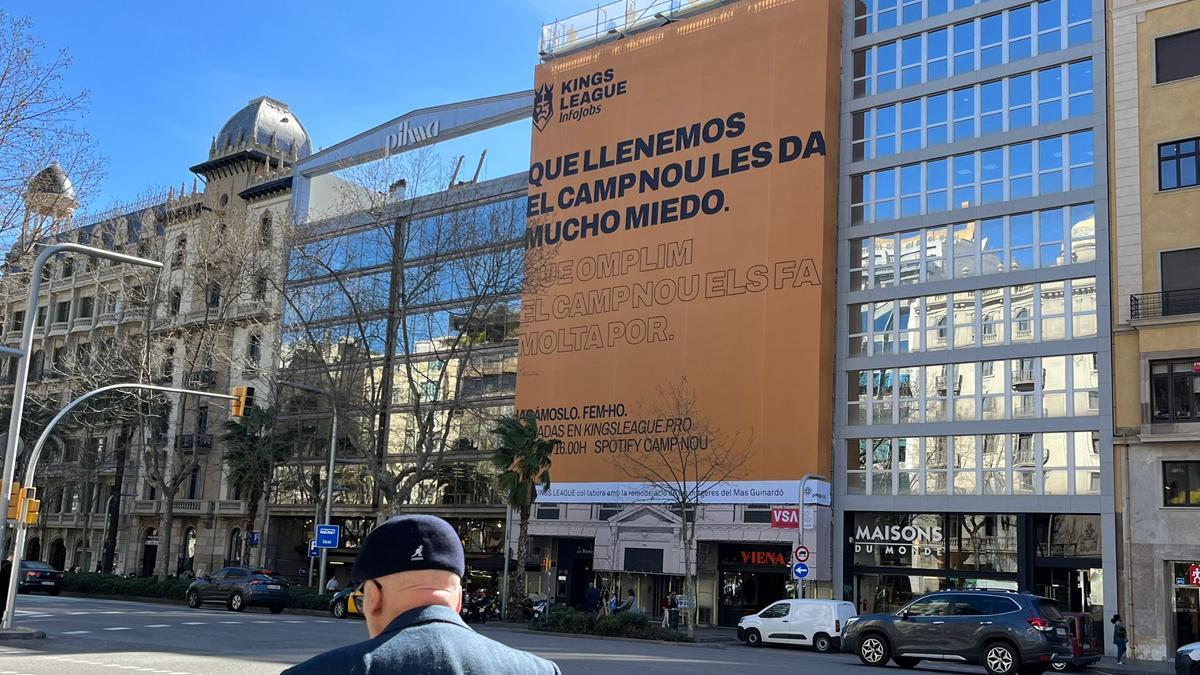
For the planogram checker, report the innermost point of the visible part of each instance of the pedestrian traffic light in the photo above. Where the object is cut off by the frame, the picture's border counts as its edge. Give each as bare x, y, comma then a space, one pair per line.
244, 401
14, 501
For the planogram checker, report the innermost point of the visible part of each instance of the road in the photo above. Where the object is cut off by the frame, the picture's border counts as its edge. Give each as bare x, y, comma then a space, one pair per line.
89, 636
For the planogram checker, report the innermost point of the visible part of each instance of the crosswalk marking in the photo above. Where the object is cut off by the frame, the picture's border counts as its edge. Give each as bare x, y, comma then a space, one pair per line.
117, 628
76, 632
157, 625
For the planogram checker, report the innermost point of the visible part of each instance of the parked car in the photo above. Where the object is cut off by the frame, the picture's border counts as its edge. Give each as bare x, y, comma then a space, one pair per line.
1004, 631
1085, 643
1187, 659
815, 623
238, 588
346, 602
38, 577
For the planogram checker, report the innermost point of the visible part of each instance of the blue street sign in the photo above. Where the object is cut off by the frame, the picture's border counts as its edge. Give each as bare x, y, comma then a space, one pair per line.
327, 536
255, 537
799, 571
313, 551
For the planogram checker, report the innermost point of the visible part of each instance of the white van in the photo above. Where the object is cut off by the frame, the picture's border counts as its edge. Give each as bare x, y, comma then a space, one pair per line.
817, 623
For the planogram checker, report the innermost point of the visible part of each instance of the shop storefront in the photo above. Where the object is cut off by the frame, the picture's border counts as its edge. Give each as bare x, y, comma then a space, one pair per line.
750, 577
892, 558
1185, 605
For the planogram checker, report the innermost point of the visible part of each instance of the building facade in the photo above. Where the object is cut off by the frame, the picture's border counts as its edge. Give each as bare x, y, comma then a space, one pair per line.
1156, 313
207, 321
972, 443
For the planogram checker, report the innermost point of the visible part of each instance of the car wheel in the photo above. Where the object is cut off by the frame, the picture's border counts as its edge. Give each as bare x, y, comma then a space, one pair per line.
906, 661
822, 643
753, 638
339, 609
1000, 658
236, 602
874, 650
1060, 667
276, 609
193, 599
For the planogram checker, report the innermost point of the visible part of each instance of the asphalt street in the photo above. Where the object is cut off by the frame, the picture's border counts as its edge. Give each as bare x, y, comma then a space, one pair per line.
91, 636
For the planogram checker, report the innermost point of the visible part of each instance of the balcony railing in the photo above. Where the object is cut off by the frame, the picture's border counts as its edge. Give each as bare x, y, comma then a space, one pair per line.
613, 18
1164, 303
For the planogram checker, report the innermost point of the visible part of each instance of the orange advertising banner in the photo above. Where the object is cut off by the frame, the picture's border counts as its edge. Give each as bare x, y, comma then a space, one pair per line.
681, 241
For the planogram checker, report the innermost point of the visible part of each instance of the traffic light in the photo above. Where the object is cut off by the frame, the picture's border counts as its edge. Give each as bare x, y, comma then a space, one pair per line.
32, 505
244, 401
14, 501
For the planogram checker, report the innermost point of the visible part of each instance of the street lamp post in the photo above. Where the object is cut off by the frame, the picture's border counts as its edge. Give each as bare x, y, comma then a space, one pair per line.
800, 539
22, 374
333, 435
31, 469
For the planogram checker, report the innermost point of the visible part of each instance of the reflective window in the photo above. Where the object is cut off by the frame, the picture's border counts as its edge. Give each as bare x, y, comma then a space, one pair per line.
1050, 386
1041, 239
1061, 92
1039, 28
1046, 166
875, 15
994, 464
1179, 164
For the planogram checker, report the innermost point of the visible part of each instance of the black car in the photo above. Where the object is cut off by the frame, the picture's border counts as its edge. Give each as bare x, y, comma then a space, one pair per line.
238, 588
1004, 631
38, 577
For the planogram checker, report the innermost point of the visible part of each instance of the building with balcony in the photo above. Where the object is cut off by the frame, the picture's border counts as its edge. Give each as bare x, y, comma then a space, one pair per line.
972, 426
1155, 146
207, 320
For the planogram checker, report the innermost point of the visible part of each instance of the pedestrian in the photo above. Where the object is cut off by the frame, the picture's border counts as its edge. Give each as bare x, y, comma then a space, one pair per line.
332, 585
665, 606
410, 571
1120, 636
604, 608
590, 597
630, 605
613, 604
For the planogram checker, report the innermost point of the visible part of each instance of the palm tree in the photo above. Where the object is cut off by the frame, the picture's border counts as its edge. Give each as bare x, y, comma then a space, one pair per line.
523, 458
252, 449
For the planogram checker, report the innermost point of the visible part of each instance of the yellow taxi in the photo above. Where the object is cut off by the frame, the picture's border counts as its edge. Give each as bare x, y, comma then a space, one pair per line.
346, 602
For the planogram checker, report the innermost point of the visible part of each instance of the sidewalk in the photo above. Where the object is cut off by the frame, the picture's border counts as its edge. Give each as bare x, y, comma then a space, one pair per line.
1108, 665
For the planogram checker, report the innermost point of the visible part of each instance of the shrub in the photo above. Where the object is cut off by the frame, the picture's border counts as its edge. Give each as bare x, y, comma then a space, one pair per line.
109, 584
92, 583
563, 619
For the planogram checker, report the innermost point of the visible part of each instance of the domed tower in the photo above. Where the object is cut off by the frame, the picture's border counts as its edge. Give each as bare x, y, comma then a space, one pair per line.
49, 202
261, 142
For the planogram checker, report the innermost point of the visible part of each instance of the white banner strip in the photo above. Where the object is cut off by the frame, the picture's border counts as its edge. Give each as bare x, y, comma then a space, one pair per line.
730, 492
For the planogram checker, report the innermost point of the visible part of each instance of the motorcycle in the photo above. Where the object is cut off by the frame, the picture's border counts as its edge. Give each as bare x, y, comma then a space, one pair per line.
478, 608
535, 610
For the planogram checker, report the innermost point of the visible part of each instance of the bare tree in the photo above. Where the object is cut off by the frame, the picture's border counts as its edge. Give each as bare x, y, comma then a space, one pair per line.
39, 125
410, 319
691, 459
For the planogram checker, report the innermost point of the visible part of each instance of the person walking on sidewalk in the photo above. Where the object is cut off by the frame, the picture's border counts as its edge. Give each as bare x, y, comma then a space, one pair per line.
1120, 637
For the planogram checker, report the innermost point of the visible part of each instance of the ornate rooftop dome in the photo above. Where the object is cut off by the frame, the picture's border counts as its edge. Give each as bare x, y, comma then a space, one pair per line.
52, 181
262, 120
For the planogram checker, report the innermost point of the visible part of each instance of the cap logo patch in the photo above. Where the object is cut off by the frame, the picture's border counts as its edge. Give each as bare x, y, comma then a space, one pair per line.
419, 554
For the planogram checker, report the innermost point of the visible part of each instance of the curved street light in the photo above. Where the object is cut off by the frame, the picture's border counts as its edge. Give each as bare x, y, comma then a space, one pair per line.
31, 468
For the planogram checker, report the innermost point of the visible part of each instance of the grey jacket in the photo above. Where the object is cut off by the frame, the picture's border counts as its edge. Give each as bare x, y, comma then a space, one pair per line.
426, 641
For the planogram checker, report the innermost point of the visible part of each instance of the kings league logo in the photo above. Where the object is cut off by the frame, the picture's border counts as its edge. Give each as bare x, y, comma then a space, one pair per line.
543, 105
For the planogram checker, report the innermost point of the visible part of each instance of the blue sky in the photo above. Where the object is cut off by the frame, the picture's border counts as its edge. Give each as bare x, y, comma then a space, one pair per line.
164, 76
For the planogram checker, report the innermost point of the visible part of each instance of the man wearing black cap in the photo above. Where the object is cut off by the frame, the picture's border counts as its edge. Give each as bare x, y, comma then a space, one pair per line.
410, 572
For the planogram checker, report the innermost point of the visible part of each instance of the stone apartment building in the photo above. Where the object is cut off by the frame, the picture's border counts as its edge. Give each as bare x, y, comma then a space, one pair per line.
209, 315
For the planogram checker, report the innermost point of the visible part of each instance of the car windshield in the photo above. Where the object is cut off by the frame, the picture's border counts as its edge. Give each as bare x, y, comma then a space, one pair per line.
1048, 609
35, 565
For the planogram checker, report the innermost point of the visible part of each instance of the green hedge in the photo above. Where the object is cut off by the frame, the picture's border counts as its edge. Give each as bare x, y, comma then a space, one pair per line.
92, 583
563, 619
109, 584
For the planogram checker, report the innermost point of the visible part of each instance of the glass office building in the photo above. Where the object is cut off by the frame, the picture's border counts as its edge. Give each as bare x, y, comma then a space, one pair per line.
973, 426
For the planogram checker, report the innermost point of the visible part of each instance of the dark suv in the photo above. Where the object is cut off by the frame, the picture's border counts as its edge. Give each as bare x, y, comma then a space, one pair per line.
1004, 631
238, 588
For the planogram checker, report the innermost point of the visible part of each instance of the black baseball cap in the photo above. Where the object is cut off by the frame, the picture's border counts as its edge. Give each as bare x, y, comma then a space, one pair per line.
408, 543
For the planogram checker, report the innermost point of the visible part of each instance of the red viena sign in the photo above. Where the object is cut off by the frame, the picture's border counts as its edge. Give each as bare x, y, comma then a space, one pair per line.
763, 558
786, 518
